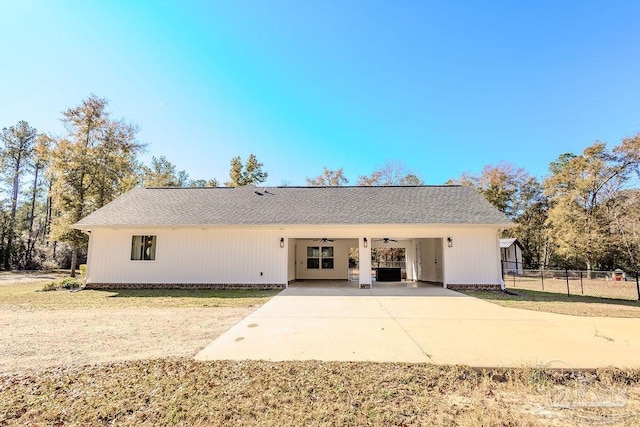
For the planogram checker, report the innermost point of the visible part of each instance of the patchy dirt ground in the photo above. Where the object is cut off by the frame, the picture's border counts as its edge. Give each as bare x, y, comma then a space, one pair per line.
12, 277
41, 330
44, 338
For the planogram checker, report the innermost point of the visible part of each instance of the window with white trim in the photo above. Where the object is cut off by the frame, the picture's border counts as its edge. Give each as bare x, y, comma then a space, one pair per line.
320, 257
143, 248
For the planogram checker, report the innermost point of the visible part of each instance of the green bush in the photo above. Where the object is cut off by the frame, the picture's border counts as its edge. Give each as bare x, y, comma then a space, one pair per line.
51, 286
70, 283
83, 269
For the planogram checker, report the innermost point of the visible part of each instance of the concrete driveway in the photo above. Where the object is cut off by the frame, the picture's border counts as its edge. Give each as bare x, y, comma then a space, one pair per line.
426, 324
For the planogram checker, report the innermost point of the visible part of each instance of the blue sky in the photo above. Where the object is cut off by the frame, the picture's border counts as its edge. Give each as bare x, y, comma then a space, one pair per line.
444, 87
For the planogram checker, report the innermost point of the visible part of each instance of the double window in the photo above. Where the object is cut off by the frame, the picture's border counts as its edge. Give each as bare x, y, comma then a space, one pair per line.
320, 257
143, 248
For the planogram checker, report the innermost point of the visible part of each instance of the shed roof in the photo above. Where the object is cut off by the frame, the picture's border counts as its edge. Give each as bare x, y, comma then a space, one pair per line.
506, 243
251, 205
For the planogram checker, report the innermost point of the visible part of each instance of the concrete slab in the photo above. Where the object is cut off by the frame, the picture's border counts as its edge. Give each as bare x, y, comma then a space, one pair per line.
422, 324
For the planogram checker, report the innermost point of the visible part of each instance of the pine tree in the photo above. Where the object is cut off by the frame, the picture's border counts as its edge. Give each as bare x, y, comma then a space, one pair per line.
91, 166
248, 174
15, 159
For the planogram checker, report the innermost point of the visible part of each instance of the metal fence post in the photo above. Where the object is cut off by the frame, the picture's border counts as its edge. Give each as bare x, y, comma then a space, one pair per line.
581, 288
566, 275
637, 286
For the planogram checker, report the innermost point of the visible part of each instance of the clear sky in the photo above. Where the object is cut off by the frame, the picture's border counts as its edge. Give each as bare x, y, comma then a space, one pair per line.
445, 87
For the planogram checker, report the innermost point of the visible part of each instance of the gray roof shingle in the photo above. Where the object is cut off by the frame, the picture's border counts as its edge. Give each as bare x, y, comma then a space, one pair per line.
297, 205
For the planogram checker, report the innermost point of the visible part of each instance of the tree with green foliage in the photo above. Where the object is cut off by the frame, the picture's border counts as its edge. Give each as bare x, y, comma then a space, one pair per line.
90, 166
250, 173
162, 173
203, 183
531, 232
625, 212
625, 217
521, 198
16, 157
500, 184
40, 162
581, 189
329, 178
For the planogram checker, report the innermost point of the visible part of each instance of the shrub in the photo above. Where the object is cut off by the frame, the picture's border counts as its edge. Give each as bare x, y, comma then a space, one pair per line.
51, 286
83, 269
70, 283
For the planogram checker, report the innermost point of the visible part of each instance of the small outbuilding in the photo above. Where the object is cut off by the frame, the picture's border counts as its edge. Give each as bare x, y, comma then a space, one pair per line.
511, 256
268, 237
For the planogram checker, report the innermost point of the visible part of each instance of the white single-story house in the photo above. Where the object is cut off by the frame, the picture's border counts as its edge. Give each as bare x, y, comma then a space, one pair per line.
269, 237
511, 255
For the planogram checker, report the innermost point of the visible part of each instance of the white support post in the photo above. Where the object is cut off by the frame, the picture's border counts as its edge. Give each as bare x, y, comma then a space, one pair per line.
364, 262
410, 261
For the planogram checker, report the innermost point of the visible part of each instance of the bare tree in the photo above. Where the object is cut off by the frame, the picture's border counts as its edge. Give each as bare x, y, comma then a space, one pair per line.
328, 178
391, 173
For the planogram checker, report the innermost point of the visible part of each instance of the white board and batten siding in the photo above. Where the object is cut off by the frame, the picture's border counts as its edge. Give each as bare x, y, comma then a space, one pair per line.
252, 255
190, 255
474, 258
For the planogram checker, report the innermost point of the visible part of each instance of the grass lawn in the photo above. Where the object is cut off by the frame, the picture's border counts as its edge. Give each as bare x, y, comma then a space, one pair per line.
63, 328
576, 305
126, 358
597, 287
185, 392
29, 296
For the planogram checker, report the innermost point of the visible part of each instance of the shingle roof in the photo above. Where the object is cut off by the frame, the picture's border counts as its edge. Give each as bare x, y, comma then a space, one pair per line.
297, 205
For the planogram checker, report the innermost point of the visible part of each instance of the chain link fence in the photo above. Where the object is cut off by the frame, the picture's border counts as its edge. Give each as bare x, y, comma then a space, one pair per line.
606, 284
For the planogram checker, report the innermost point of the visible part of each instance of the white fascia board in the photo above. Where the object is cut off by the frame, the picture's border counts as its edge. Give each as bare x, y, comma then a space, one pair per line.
501, 226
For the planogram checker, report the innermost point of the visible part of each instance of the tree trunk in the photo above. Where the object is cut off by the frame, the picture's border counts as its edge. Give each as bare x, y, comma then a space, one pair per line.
2, 247
7, 253
74, 260
47, 226
29, 254
12, 218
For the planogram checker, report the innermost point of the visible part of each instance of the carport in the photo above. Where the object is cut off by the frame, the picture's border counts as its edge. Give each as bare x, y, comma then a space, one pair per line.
343, 261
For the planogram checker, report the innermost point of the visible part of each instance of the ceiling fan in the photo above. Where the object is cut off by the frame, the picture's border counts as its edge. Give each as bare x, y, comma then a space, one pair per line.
324, 240
386, 240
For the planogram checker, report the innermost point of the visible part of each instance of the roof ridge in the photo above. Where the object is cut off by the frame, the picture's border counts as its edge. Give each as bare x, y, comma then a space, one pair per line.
369, 186
305, 186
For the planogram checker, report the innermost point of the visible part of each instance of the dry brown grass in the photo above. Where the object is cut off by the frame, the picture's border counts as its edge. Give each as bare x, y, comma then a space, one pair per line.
46, 338
63, 363
575, 305
590, 287
29, 296
62, 328
185, 392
